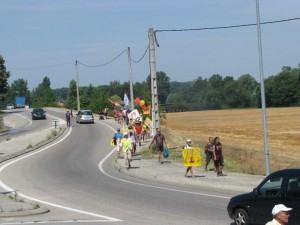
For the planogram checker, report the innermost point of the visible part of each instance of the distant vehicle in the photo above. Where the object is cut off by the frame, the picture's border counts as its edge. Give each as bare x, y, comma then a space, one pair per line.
280, 187
10, 106
38, 113
20, 102
85, 116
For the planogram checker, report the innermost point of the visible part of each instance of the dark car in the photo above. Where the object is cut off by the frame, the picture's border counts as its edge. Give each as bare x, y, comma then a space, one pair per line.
38, 113
280, 187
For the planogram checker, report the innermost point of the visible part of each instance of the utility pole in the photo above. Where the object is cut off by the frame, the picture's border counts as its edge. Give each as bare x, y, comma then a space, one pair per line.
155, 110
77, 86
130, 79
262, 90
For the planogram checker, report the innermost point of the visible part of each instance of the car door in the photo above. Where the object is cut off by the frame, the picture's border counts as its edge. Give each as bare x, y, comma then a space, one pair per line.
292, 198
268, 193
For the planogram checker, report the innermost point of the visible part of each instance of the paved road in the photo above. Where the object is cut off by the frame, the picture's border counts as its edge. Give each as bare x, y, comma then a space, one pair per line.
83, 176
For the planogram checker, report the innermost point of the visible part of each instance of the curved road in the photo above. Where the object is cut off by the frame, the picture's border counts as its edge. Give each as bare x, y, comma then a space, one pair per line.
76, 179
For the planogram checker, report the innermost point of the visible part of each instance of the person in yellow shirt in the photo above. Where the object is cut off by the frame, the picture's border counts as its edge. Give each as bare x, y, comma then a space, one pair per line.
126, 144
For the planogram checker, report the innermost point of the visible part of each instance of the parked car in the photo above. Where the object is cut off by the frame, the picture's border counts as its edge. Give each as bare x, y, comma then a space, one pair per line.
85, 116
38, 113
280, 187
10, 106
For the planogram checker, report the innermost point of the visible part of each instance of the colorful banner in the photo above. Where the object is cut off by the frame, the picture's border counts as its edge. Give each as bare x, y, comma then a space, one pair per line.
147, 110
141, 102
191, 157
126, 100
134, 115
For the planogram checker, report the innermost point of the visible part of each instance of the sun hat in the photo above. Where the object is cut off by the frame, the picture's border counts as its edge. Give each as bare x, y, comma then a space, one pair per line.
280, 208
188, 140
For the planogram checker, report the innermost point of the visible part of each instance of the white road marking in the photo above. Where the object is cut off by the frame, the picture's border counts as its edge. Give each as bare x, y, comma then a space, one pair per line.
7, 188
30, 122
100, 166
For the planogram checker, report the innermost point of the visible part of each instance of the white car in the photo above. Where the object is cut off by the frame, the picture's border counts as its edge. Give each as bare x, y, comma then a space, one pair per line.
10, 106
85, 116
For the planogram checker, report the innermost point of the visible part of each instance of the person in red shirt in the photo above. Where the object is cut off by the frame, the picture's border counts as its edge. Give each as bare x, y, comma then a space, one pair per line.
138, 131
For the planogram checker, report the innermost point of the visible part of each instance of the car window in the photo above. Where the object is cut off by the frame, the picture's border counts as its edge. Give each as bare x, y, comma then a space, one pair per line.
86, 113
293, 187
271, 187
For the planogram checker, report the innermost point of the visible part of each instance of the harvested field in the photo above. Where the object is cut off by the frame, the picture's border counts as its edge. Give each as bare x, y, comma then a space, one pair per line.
241, 134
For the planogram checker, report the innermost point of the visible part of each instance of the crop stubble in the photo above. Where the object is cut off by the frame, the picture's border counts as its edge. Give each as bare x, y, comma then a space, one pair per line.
241, 134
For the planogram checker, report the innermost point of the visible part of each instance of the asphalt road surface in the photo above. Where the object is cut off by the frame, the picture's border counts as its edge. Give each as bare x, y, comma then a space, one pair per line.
75, 178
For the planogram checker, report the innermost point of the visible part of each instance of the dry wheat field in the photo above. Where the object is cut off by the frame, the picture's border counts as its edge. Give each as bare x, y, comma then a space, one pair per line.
241, 134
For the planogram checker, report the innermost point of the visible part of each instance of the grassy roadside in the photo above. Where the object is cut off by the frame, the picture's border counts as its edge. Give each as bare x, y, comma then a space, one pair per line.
2, 128
241, 134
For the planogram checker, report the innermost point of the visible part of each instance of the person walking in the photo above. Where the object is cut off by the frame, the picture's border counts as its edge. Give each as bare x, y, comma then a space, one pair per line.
281, 215
106, 112
189, 168
132, 135
117, 139
138, 130
209, 152
126, 145
68, 118
218, 156
160, 140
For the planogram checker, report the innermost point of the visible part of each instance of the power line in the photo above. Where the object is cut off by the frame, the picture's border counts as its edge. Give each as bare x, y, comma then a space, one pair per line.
103, 63
137, 61
222, 27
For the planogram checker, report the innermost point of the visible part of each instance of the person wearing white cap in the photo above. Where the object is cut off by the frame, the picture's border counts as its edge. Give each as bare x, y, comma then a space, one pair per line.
189, 168
281, 215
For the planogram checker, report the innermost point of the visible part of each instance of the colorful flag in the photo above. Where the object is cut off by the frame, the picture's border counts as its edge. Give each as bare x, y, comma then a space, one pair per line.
126, 100
147, 110
191, 157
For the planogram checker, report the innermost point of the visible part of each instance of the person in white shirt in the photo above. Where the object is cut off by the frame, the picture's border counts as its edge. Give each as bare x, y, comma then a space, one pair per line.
189, 168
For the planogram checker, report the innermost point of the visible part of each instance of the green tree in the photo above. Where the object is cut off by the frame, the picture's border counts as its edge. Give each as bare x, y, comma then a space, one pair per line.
43, 95
4, 75
282, 89
247, 87
163, 85
19, 88
72, 95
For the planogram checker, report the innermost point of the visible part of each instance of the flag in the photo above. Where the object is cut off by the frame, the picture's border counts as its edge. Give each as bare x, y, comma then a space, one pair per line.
191, 157
114, 104
137, 100
141, 102
126, 100
147, 110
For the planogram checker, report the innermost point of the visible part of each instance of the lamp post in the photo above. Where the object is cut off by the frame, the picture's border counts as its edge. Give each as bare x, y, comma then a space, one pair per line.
262, 90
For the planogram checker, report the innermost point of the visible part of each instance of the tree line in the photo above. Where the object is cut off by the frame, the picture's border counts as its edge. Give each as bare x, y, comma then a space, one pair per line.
215, 92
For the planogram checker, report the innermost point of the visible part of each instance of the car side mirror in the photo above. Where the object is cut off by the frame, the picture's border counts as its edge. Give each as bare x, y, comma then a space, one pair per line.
255, 191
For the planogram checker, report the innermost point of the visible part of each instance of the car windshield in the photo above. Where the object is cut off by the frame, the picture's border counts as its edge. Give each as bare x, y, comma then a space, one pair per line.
86, 113
38, 110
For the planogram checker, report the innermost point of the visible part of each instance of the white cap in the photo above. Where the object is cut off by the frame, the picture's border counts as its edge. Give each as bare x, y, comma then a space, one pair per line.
280, 208
188, 140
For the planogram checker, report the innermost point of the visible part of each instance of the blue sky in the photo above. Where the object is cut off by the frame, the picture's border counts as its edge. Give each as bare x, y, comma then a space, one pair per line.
44, 37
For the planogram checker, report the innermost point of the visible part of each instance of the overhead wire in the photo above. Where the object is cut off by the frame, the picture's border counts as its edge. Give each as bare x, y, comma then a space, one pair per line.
103, 63
222, 27
137, 61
